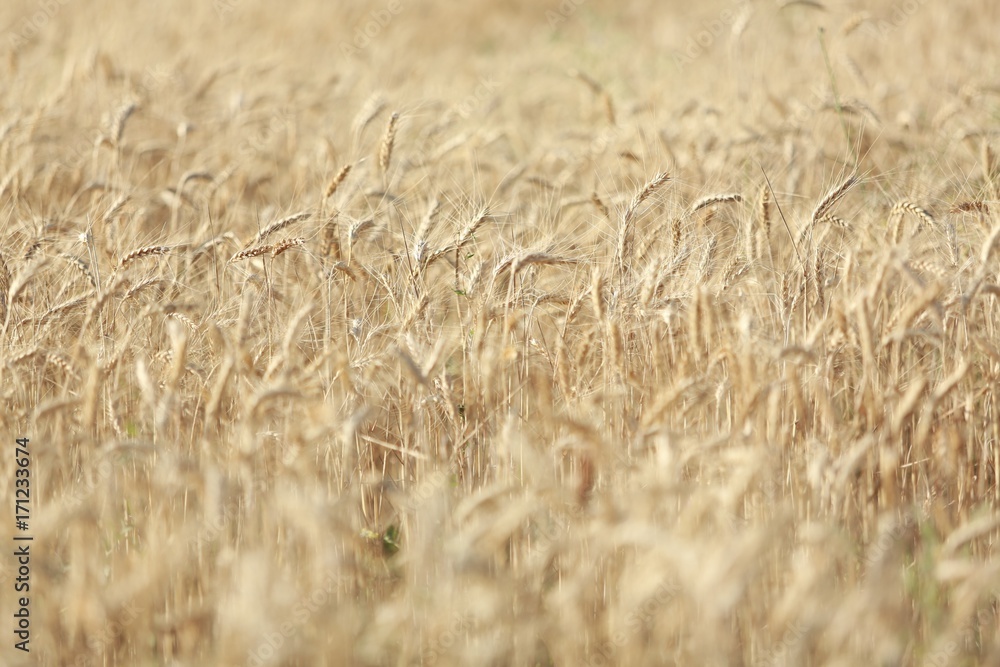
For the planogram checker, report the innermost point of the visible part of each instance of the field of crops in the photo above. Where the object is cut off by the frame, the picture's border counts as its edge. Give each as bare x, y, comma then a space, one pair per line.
499, 333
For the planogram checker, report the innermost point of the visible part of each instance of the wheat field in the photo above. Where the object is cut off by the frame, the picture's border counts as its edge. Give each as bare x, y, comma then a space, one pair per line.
508, 333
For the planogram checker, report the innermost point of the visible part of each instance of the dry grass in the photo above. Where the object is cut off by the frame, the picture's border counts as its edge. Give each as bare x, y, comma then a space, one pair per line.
517, 386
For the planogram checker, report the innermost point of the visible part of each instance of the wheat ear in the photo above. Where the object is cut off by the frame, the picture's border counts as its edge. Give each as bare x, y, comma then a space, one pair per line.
139, 253
337, 180
388, 141
833, 196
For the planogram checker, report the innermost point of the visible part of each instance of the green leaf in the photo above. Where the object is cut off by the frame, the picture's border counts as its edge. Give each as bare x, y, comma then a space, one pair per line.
390, 540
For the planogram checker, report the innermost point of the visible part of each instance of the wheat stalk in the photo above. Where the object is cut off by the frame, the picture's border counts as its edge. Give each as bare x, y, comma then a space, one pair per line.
989, 245
420, 242
139, 286
834, 196
654, 184
282, 246
599, 91
371, 108
388, 141
185, 320
122, 115
277, 226
337, 180
59, 360
140, 253
600, 205
330, 247
712, 200
853, 22
115, 208
765, 208
900, 209
346, 270
58, 309
464, 236
969, 206
625, 230
597, 293
250, 253
359, 227
473, 226
81, 267
834, 221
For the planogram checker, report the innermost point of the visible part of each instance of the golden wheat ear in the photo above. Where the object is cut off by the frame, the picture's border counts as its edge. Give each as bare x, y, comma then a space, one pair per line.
141, 253
388, 142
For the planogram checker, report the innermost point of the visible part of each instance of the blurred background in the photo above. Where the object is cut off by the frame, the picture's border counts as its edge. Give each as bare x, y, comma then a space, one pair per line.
739, 67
